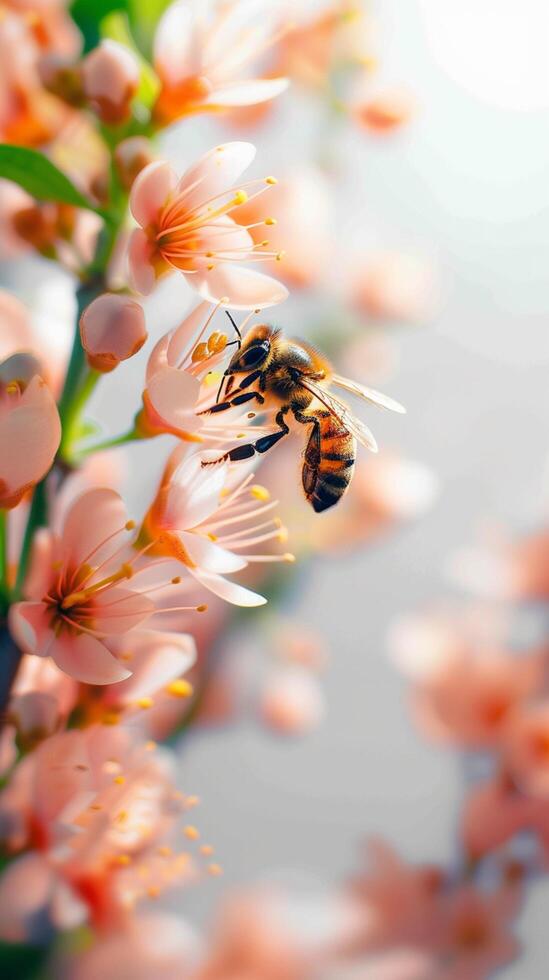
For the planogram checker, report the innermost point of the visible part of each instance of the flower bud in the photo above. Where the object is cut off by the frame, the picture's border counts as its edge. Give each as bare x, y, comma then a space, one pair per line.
131, 157
35, 716
112, 328
110, 76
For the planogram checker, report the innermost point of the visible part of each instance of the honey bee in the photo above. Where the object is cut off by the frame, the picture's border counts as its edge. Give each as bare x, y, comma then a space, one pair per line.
295, 375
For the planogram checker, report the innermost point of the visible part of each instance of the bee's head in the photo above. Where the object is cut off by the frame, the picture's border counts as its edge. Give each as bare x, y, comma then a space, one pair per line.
255, 352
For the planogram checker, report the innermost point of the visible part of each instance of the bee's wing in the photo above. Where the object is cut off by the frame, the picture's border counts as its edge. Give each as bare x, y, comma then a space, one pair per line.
342, 411
369, 394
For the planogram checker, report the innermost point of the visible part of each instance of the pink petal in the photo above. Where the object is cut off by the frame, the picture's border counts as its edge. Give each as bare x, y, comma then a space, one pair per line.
38, 578
222, 587
172, 58
29, 626
194, 492
210, 557
93, 517
142, 270
215, 173
247, 93
244, 288
156, 659
150, 191
25, 888
173, 395
29, 437
87, 660
119, 610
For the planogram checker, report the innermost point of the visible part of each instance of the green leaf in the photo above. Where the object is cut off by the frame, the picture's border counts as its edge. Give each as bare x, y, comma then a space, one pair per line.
39, 176
88, 15
116, 27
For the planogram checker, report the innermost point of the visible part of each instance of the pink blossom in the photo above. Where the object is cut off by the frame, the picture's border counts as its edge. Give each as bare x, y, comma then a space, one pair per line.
462, 694
291, 701
202, 53
97, 806
394, 286
30, 430
186, 224
211, 526
77, 603
19, 333
526, 748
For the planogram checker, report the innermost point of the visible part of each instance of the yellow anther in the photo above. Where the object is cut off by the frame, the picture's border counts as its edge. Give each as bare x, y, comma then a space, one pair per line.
212, 537
210, 255
207, 850
127, 570
126, 656
145, 703
180, 688
153, 891
210, 267
191, 832
129, 525
199, 353
266, 242
271, 180
282, 535
110, 718
240, 197
217, 342
12, 388
119, 780
150, 746
73, 600
202, 608
176, 580
123, 859
122, 816
192, 801
289, 557
280, 256
270, 221
95, 806
259, 492
215, 870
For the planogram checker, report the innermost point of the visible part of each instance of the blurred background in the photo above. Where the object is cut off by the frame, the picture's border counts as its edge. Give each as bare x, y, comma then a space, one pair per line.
461, 190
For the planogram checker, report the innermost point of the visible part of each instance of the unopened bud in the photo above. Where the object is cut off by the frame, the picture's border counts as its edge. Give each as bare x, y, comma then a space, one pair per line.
112, 328
131, 157
110, 76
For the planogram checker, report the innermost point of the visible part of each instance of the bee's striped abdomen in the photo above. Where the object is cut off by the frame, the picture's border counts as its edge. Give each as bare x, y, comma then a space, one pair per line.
329, 461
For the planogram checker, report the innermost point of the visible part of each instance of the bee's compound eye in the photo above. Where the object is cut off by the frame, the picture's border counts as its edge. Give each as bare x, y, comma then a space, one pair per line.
255, 355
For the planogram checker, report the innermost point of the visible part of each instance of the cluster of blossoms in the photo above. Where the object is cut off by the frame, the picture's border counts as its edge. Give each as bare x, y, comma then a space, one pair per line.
109, 616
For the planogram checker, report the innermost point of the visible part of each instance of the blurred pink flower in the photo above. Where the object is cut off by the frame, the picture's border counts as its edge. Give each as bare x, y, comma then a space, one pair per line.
97, 806
382, 112
110, 77
462, 694
186, 224
394, 286
301, 230
291, 700
30, 430
398, 901
202, 53
18, 334
526, 748
496, 811
210, 526
473, 933
503, 568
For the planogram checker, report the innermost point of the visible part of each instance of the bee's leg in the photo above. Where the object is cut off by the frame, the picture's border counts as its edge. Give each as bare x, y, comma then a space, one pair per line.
249, 449
237, 399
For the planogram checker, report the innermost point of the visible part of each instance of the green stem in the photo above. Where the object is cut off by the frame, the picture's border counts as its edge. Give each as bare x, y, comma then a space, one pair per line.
38, 515
121, 440
73, 413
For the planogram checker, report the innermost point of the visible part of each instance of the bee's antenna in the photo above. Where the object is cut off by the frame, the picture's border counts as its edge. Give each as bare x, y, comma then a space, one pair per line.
237, 331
